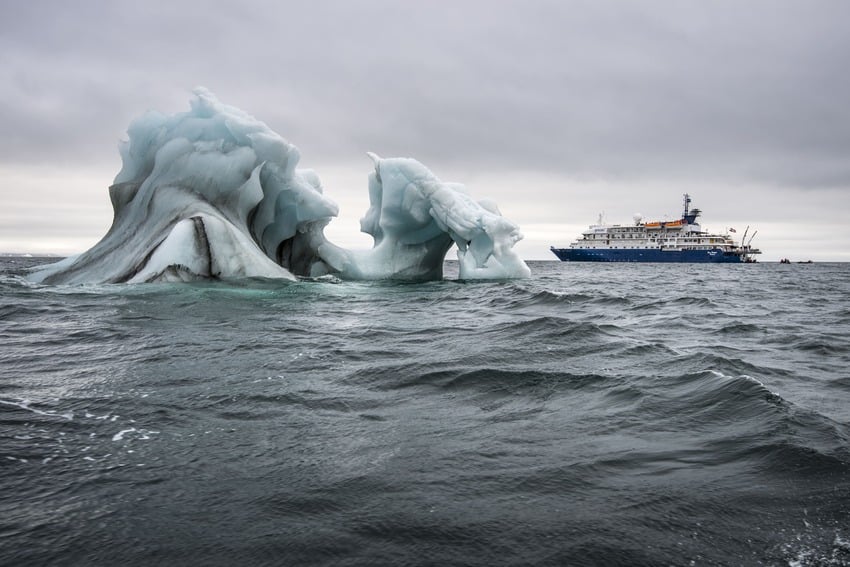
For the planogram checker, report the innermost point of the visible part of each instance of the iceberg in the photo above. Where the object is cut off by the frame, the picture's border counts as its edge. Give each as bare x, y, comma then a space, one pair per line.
214, 193
414, 219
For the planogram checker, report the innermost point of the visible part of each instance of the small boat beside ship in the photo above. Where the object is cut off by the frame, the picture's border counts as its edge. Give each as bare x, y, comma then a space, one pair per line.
681, 240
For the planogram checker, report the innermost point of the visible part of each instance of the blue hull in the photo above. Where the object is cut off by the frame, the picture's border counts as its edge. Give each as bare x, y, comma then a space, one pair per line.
646, 255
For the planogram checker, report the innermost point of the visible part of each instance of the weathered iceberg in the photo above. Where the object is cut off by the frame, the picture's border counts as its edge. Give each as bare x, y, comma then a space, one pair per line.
214, 193
414, 219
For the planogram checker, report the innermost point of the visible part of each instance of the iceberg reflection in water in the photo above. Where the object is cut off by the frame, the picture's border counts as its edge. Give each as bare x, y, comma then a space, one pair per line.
214, 193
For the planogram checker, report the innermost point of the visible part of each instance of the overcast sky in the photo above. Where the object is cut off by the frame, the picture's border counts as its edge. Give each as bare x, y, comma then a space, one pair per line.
556, 110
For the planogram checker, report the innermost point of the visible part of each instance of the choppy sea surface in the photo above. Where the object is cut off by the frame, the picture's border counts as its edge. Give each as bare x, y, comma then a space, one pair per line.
595, 414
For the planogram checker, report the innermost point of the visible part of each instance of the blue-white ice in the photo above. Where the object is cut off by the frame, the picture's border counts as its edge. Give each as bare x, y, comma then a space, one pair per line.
214, 193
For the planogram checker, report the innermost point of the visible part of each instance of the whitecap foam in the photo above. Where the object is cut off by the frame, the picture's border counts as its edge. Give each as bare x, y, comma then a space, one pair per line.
25, 405
142, 434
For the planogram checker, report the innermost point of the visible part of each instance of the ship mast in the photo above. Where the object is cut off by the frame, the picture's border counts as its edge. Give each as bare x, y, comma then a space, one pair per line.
690, 215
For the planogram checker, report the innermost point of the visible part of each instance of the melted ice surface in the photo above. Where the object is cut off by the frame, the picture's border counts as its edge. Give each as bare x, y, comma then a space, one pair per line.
215, 193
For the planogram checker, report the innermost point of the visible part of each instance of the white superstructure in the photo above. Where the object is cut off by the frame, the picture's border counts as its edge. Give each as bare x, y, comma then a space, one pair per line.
681, 240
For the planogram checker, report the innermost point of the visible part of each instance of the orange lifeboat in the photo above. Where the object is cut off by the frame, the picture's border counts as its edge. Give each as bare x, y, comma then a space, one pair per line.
666, 224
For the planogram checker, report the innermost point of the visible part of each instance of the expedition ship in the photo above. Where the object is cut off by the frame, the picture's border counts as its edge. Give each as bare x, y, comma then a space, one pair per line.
680, 240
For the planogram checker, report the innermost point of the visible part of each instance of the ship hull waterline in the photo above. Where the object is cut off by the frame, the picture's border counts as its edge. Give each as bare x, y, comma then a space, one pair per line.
647, 255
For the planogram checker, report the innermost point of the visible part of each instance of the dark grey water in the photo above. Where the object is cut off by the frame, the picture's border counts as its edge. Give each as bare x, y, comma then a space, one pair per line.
593, 415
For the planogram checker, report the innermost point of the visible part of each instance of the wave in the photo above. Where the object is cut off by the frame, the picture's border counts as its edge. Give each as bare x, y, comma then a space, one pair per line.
515, 296
739, 328
823, 346
805, 461
741, 418
725, 361
554, 327
28, 406
551, 298
678, 302
490, 380
646, 351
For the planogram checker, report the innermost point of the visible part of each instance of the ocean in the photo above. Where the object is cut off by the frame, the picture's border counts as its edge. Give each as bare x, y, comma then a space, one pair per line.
595, 414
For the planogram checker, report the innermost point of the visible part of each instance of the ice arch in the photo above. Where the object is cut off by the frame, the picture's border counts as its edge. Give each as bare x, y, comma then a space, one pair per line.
215, 193
414, 219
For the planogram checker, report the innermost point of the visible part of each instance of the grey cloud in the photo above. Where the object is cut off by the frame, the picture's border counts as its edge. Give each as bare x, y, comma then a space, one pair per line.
751, 91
